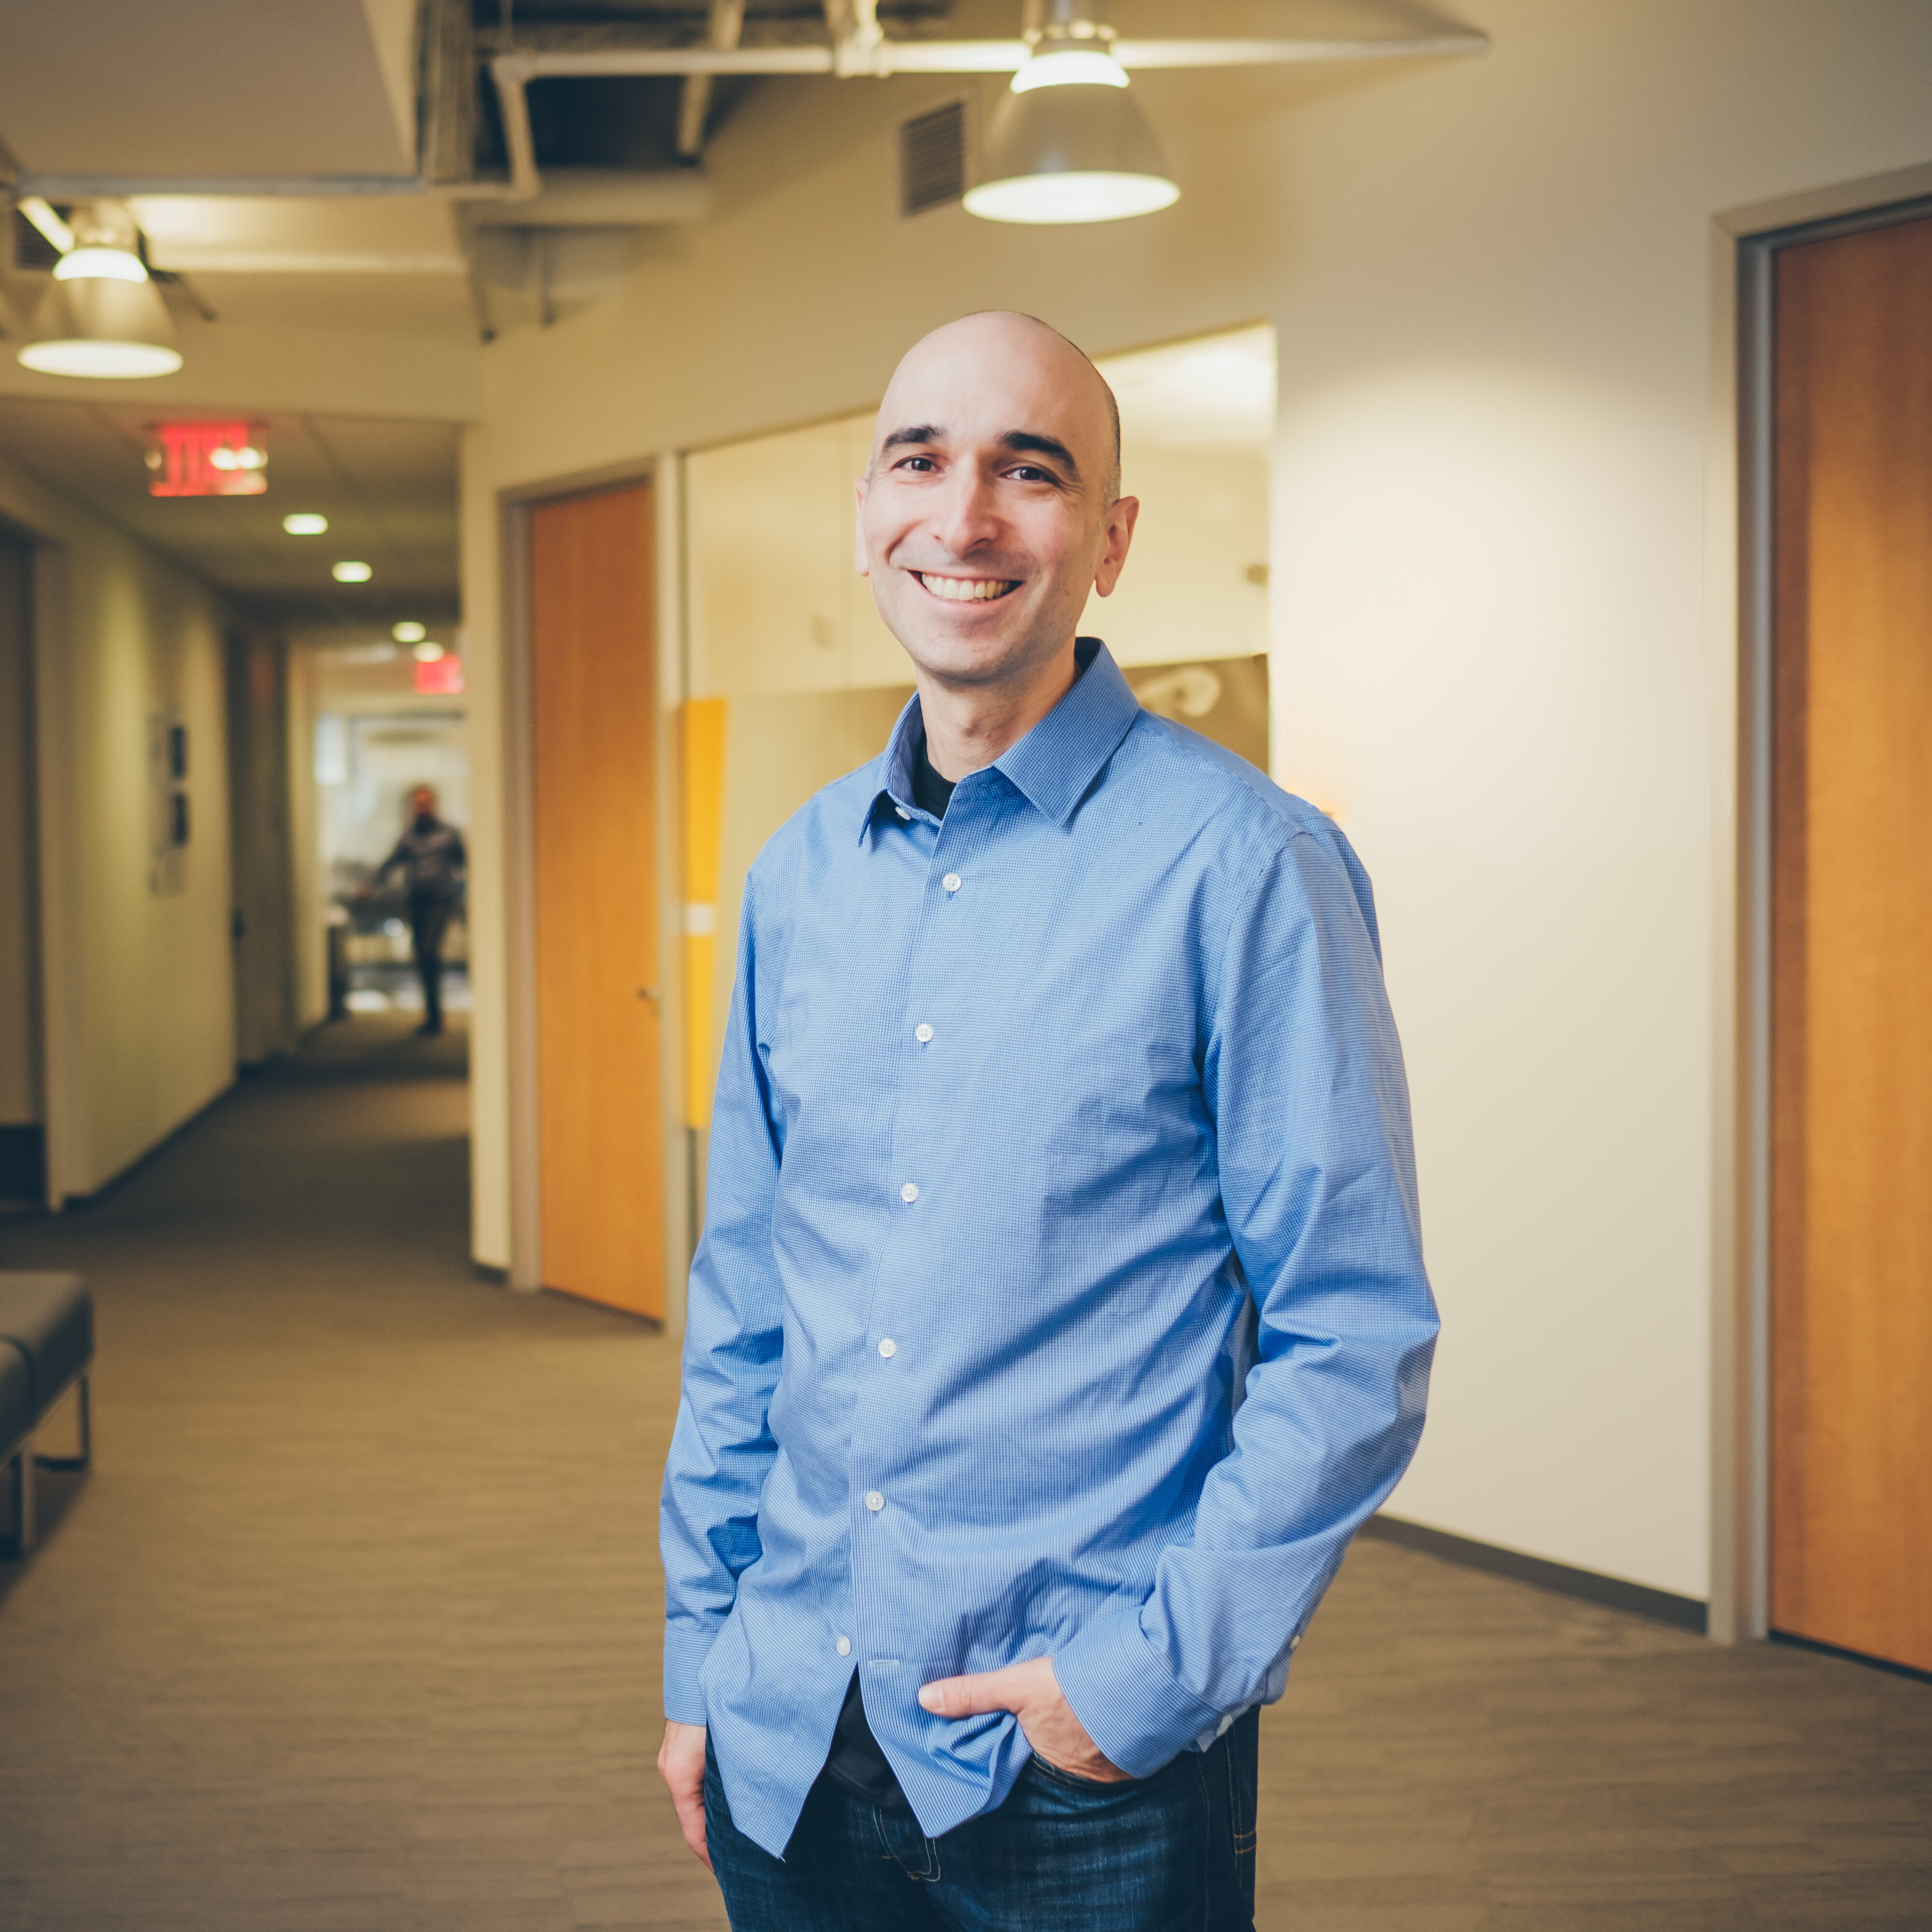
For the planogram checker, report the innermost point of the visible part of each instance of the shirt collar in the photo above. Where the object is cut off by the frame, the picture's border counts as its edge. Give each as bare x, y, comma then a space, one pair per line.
1053, 766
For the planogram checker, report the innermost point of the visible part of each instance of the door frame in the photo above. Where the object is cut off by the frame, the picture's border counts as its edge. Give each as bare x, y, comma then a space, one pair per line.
53, 846
1746, 246
664, 474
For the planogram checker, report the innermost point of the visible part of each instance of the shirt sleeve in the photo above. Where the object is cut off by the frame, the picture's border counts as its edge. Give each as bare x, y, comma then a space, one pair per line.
1302, 1076
722, 1448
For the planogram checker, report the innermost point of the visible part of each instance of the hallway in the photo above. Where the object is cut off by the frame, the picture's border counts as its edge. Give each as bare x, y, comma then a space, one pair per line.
353, 1625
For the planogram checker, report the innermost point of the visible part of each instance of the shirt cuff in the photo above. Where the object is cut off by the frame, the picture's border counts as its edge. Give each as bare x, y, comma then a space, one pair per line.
1138, 1714
685, 1648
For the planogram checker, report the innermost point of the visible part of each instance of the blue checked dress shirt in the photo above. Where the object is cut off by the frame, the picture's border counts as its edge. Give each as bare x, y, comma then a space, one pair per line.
1061, 1287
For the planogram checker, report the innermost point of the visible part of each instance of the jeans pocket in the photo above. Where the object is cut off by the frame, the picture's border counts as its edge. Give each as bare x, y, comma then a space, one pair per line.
1072, 1780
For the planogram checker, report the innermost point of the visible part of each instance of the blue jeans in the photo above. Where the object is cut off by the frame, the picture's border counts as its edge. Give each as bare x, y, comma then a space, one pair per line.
1174, 1852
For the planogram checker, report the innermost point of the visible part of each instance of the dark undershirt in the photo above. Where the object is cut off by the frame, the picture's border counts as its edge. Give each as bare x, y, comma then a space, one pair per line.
855, 1759
930, 792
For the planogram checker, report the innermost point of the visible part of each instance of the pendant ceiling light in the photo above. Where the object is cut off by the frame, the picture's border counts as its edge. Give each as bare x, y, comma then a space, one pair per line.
1069, 144
102, 317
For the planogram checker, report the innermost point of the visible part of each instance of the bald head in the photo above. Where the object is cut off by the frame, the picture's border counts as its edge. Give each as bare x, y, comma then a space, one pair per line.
992, 510
1011, 351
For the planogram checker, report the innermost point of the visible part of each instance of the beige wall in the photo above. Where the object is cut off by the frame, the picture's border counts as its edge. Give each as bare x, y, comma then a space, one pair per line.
1494, 563
19, 923
138, 987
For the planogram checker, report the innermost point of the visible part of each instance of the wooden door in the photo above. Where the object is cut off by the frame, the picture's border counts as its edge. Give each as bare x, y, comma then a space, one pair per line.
1851, 995
599, 1050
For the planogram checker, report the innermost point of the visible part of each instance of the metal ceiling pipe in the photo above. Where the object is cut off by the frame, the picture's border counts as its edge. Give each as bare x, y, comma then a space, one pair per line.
726, 29
603, 198
512, 73
890, 57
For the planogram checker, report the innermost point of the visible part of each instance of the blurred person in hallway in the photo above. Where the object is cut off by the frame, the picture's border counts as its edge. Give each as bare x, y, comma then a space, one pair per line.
1060, 1313
430, 857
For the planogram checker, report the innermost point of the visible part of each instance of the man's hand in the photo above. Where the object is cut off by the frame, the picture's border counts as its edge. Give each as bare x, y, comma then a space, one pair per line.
681, 1766
1032, 1693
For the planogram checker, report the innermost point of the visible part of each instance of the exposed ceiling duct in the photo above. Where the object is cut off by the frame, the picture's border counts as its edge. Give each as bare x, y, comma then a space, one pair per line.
539, 137
852, 45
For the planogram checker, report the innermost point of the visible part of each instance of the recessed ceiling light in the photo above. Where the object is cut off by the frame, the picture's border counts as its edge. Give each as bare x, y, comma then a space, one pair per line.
427, 652
351, 573
305, 523
409, 632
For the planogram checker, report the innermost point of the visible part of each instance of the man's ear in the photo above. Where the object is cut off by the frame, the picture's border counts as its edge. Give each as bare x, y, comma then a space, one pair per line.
1120, 520
861, 563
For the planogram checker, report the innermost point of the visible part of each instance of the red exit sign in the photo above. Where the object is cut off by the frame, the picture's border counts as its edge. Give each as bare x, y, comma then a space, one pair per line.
441, 677
207, 459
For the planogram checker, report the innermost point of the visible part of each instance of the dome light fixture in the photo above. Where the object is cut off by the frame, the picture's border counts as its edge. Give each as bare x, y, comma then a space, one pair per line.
427, 652
1068, 153
102, 327
103, 317
1069, 144
305, 523
350, 572
408, 631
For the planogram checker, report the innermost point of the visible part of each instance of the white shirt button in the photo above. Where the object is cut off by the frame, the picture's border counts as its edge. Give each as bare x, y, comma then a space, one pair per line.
1294, 1643
951, 882
889, 1348
922, 1033
844, 1646
873, 1500
909, 1193
904, 813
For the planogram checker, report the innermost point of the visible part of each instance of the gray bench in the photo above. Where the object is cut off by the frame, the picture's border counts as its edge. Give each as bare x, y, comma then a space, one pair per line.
47, 1347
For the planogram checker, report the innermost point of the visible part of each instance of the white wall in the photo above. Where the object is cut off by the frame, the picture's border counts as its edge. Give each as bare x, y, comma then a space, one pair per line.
1491, 560
138, 986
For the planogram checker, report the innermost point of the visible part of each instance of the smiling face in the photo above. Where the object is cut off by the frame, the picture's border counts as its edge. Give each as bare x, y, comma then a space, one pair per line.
990, 509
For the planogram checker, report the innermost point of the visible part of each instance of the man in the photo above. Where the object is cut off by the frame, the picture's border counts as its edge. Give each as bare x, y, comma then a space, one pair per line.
430, 857
1060, 1310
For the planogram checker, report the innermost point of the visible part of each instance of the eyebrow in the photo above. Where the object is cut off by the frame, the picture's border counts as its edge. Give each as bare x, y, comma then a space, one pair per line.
1020, 441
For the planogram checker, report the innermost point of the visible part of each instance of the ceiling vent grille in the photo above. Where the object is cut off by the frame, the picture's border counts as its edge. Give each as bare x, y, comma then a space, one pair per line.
932, 159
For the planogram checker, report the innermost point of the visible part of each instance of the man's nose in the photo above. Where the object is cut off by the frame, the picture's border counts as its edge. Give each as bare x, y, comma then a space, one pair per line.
969, 516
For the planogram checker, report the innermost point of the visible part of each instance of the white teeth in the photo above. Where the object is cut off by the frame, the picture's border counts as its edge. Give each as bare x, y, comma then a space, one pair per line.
965, 589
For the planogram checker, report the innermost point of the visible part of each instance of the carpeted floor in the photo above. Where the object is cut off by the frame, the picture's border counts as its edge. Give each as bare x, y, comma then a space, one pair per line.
353, 1624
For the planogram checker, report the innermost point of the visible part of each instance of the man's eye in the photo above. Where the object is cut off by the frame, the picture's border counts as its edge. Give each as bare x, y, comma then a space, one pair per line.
1028, 473
919, 463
